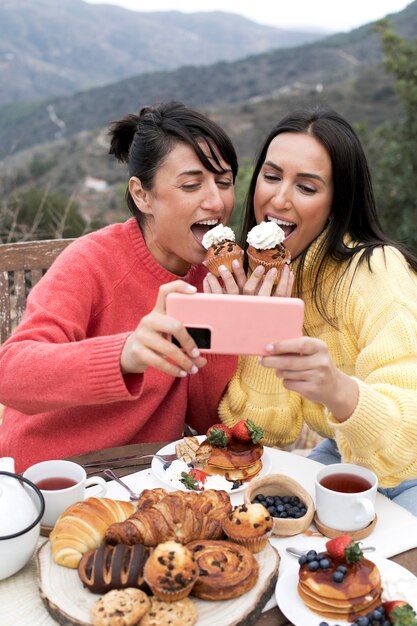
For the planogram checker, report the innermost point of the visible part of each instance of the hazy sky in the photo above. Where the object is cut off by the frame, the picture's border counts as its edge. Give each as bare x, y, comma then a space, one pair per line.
330, 15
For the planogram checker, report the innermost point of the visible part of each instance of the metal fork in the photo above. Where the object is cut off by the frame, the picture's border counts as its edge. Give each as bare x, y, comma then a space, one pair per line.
164, 458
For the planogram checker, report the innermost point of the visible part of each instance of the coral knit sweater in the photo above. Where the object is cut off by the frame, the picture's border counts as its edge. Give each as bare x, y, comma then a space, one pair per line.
376, 343
60, 376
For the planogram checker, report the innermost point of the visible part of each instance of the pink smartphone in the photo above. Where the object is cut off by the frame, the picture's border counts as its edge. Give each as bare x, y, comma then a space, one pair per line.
227, 324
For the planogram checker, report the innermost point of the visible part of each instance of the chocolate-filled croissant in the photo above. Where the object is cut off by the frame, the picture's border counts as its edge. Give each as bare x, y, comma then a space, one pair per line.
114, 567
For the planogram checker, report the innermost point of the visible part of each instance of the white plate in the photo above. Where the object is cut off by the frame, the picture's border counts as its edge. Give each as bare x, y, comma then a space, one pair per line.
159, 472
296, 611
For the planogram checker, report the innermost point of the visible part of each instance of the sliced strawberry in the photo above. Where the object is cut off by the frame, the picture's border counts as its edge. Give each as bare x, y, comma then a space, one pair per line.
219, 435
194, 479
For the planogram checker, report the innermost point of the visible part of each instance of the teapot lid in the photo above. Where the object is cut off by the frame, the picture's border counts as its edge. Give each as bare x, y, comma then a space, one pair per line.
17, 509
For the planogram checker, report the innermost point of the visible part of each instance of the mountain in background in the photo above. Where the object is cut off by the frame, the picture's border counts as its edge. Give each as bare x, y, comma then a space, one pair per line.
344, 71
57, 47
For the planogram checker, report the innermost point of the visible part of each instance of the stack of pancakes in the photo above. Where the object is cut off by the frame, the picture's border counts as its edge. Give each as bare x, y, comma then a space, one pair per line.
238, 461
355, 596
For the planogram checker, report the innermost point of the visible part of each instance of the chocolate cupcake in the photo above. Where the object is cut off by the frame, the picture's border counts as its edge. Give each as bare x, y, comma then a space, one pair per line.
221, 249
266, 248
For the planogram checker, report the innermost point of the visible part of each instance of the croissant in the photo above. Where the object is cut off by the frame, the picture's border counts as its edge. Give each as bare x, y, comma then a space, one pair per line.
114, 567
177, 516
81, 527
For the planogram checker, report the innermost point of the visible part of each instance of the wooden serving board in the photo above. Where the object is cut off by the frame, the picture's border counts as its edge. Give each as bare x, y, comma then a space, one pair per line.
69, 603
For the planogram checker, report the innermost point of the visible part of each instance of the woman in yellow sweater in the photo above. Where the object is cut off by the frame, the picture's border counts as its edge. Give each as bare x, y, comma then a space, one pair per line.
352, 377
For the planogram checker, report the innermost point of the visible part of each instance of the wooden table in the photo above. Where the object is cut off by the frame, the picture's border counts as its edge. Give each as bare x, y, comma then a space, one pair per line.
274, 617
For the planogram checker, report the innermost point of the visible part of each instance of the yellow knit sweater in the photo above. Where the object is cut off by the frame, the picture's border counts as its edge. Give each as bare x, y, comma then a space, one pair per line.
376, 343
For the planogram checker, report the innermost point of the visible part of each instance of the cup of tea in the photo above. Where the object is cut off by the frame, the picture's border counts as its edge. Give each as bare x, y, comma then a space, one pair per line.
62, 483
345, 496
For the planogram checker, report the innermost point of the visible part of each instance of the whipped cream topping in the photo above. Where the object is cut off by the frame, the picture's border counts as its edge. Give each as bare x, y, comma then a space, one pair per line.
217, 234
218, 482
399, 588
173, 472
265, 235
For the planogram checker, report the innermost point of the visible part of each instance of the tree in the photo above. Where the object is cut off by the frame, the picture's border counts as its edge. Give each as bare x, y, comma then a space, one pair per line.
36, 213
392, 147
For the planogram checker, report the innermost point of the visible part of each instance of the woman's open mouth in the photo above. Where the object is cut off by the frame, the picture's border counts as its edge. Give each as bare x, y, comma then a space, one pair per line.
199, 229
287, 227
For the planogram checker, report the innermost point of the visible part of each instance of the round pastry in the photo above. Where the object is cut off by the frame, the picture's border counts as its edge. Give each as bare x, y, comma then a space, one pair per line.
250, 525
226, 570
114, 567
180, 613
266, 248
170, 571
221, 249
120, 607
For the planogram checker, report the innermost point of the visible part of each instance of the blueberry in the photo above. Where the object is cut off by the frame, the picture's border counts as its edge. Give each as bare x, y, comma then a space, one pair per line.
280, 508
338, 577
286, 499
236, 484
260, 497
323, 624
313, 566
311, 555
324, 563
386, 622
283, 514
272, 511
341, 568
377, 614
269, 500
362, 621
302, 559
277, 501
166, 465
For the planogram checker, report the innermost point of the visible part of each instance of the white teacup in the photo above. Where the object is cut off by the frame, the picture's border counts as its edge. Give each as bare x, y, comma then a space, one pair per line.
62, 483
345, 496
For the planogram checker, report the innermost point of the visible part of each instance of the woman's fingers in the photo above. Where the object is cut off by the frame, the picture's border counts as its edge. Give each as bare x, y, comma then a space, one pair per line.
151, 342
255, 281
285, 283
211, 284
178, 286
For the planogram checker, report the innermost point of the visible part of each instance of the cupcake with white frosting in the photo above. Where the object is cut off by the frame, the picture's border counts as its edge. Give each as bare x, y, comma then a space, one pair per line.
221, 249
266, 248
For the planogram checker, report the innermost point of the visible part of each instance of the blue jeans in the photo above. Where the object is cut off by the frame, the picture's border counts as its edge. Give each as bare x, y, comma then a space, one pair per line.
404, 494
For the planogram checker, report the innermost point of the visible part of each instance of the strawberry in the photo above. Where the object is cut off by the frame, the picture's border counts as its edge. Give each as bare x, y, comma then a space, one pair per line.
219, 435
400, 613
194, 479
246, 430
343, 548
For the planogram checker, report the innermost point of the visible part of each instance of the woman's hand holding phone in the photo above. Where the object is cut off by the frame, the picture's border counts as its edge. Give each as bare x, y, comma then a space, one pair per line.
150, 344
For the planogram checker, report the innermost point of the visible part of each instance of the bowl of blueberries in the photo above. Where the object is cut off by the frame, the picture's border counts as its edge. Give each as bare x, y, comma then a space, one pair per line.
290, 505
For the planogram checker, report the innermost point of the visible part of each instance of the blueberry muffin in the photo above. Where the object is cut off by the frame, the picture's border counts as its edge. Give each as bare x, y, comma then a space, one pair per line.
170, 571
250, 525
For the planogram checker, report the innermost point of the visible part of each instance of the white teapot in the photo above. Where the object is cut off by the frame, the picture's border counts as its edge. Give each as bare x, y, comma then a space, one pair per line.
21, 508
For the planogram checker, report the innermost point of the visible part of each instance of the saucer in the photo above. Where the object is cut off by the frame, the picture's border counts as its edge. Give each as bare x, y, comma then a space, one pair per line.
355, 534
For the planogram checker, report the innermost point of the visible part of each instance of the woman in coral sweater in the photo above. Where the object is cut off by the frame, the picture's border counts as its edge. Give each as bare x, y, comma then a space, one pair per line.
92, 365
352, 377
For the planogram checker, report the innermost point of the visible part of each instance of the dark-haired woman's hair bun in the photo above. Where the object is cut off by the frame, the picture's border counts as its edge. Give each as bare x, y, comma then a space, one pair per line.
121, 136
